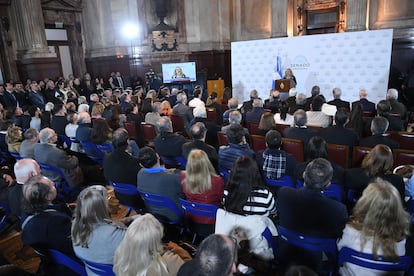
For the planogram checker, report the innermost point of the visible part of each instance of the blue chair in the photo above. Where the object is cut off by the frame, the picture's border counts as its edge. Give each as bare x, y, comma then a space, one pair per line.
5, 215
96, 152
131, 191
348, 255
270, 240
57, 176
326, 245
224, 173
333, 191
65, 141
15, 155
165, 203
174, 162
99, 269
201, 210
64, 260
280, 182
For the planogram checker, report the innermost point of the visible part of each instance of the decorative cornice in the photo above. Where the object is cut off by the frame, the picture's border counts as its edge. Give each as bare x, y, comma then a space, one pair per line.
62, 5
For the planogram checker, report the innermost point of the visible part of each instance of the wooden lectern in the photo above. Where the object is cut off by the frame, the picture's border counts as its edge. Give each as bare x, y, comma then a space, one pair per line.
282, 85
216, 86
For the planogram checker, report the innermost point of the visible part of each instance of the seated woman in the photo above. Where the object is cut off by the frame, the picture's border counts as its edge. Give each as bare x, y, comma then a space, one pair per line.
94, 236
378, 225
46, 227
201, 183
283, 117
317, 149
245, 193
377, 163
141, 252
266, 123
101, 134
14, 138
166, 109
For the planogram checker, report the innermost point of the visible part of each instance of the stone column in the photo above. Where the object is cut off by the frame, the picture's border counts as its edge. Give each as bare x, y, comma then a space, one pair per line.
356, 15
279, 18
31, 37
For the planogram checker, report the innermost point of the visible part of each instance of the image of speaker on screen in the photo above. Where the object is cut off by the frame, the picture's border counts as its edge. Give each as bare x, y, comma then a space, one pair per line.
290, 76
178, 73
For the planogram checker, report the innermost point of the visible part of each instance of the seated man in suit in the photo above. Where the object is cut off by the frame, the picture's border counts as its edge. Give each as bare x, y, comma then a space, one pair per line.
183, 110
216, 255
200, 115
121, 167
275, 162
198, 132
384, 110
379, 126
31, 138
300, 131
396, 106
237, 147
308, 212
167, 143
366, 105
155, 179
257, 111
235, 118
338, 134
336, 93
46, 152
46, 228
233, 105
84, 130
248, 105
24, 169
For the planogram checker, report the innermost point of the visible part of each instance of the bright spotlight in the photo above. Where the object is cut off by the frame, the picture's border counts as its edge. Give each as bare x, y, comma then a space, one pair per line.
130, 30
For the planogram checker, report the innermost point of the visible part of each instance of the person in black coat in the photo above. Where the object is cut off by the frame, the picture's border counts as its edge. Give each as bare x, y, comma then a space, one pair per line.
198, 132
379, 126
300, 131
366, 105
46, 228
308, 212
336, 92
200, 115
338, 134
167, 143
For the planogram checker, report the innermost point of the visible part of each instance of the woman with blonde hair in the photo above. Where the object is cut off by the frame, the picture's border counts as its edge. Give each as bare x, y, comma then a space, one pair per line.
377, 163
201, 183
14, 138
94, 236
97, 110
378, 225
141, 251
166, 109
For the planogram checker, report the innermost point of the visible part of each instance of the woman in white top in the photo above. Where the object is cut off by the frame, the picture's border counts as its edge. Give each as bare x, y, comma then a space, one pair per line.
283, 117
378, 225
70, 131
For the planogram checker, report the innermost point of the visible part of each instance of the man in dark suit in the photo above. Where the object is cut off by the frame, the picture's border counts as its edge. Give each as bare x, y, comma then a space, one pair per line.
338, 134
248, 105
366, 105
46, 228
300, 131
9, 97
36, 97
379, 126
309, 212
198, 132
121, 167
118, 80
46, 152
314, 92
167, 143
384, 110
396, 106
256, 113
200, 115
336, 93
24, 169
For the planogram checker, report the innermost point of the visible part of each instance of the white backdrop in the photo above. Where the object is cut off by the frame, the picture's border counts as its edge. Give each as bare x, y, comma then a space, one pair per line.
350, 61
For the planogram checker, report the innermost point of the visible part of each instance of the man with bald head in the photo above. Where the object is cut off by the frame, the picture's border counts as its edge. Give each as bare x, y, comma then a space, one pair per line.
216, 255
24, 169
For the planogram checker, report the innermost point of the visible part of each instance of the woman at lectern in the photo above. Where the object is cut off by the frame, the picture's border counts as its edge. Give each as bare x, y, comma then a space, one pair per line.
289, 76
